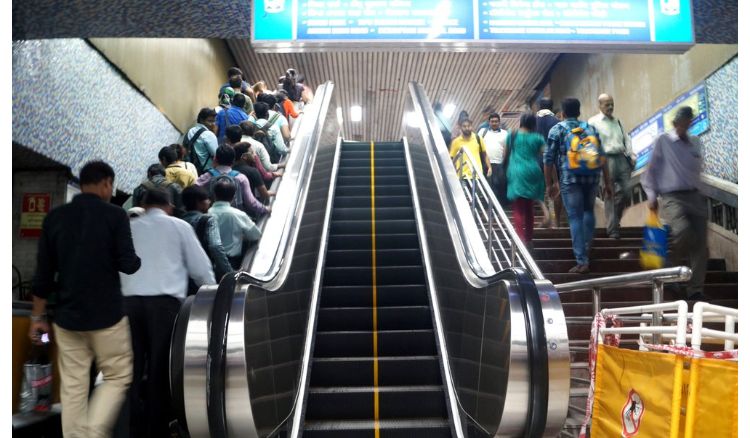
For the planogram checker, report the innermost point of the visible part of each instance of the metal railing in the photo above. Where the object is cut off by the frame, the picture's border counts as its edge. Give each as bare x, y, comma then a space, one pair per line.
504, 247
721, 199
656, 278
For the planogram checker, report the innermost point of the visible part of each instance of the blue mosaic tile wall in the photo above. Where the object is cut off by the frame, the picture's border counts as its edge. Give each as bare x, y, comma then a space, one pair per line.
70, 104
720, 142
715, 20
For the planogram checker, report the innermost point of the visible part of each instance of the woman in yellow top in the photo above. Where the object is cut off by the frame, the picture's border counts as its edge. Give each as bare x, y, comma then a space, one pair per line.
473, 145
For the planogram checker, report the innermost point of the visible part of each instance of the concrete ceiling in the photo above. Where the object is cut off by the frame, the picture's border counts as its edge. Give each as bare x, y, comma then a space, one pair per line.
377, 81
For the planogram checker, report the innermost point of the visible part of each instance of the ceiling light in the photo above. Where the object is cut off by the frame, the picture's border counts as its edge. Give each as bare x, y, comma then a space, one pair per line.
412, 119
449, 109
356, 113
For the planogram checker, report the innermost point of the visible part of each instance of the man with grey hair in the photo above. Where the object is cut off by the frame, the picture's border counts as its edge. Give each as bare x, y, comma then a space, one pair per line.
674, 173
616, 145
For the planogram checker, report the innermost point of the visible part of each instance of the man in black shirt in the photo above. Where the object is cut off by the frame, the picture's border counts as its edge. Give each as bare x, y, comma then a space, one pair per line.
86, 243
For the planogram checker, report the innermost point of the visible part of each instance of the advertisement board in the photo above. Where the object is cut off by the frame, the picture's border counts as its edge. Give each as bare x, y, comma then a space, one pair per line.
33, 211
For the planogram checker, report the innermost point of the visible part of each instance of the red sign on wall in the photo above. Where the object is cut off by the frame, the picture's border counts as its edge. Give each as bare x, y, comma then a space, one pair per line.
35, 207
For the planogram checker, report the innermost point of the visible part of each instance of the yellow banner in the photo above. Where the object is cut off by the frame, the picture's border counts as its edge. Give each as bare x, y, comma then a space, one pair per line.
633, 393
712, 401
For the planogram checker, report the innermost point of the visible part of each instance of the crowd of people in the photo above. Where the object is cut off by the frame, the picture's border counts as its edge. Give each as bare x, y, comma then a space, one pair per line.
121, 274
561, 161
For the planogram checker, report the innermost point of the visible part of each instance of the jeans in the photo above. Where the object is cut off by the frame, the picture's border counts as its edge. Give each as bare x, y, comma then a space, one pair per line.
579, 204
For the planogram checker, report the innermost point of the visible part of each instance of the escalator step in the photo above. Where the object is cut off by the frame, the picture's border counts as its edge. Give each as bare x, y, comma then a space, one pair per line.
366, 190
357, 402
379, 153
365, 162
379, 170
365, 201
390, 343
360, 318
364, 146
365, 226
402, 428
365, 213
382, 241
362, 180
361, 296
357, 371
363, 257
386, 275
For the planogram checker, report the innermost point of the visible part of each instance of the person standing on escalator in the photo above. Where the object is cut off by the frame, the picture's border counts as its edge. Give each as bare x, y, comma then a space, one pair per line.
170, 252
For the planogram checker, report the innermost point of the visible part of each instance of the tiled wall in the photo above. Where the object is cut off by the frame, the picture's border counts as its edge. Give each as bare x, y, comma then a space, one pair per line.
72, 105
720, 142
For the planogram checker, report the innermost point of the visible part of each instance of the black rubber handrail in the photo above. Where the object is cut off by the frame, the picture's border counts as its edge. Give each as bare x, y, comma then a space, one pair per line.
536, 417
177, 361
217, 349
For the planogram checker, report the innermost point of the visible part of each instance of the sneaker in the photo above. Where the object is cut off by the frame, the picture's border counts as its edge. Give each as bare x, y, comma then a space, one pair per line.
615, 236
584, 269
574, 269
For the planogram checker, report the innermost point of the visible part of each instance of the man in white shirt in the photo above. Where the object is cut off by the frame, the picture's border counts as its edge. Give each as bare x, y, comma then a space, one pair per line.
616, 146
494, 142
169, 252
235, 227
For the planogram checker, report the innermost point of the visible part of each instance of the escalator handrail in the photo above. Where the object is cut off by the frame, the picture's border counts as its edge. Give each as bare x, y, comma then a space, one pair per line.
462, 223
474, 262
278, 238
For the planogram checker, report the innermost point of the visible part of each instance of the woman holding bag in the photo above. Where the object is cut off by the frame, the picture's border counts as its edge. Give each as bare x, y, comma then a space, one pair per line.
525, 178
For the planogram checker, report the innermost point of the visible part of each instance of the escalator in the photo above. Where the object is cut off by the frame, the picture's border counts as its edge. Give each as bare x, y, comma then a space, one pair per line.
375, 366
371, 309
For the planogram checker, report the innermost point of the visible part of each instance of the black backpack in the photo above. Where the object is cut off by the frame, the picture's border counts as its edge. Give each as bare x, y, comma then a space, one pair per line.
238, 201
192, 155
264, 137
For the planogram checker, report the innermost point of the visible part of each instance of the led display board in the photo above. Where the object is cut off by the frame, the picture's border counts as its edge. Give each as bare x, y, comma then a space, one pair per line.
644, 136
648, 24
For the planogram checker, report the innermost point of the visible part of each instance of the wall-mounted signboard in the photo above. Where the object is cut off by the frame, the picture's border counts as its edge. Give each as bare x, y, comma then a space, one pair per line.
660, 25
644, 136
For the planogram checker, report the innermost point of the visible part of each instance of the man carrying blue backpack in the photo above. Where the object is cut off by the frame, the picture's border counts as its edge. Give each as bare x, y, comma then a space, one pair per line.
574, 147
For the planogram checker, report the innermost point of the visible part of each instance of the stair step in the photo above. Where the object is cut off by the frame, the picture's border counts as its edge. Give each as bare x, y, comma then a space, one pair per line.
564, 277
361, 276
365, 213
395, 226
363, 257
360, 318
339, 403
390, 343
365, 154
365, 146
363, 180
365, 162
726, 291
392, 371
401, 428
365, 170
366, 190
361, 296
365, 201
382, 241
609, 265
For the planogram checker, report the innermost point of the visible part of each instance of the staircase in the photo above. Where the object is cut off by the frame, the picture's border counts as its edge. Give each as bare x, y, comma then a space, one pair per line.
375, 370
553, 254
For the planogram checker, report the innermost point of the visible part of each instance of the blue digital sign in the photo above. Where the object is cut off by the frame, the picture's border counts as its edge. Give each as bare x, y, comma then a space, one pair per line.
547, 22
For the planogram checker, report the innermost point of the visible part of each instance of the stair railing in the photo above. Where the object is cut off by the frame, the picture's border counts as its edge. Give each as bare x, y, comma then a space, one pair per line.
656, 278
487, 212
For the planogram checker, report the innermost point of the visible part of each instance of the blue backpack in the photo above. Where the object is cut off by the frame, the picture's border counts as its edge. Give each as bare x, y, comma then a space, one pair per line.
217, 176
583, 152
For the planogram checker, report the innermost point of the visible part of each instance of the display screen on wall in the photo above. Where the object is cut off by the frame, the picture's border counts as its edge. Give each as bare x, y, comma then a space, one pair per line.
626, 23
644, 135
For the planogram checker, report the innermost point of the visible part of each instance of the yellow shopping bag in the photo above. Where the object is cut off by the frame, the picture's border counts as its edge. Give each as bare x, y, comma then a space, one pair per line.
635, 392
712, 400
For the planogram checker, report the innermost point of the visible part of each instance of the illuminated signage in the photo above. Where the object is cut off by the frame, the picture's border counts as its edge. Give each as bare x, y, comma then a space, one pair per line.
618, 23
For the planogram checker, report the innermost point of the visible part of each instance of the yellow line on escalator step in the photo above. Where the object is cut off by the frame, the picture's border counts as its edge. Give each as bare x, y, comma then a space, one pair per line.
376, 395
